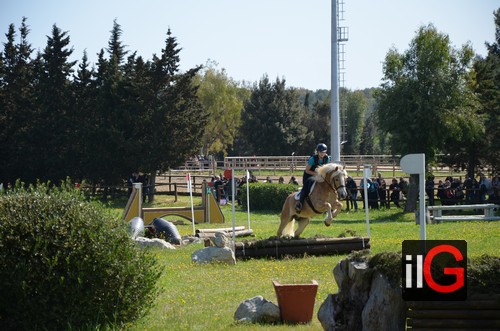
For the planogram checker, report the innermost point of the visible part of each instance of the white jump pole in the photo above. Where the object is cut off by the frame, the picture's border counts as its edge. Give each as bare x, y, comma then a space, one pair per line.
248, 199
367, 172
191, 198
233, 211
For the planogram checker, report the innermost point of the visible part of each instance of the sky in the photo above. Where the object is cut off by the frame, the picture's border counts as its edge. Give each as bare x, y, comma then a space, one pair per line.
285, 39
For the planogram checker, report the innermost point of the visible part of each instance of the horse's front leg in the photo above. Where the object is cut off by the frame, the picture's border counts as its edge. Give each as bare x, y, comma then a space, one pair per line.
329, 215
336, 208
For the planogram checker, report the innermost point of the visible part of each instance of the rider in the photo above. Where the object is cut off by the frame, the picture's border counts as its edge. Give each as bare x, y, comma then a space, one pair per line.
319, 158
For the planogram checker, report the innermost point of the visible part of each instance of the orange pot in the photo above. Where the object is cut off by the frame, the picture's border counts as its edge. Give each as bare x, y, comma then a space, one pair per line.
296, 301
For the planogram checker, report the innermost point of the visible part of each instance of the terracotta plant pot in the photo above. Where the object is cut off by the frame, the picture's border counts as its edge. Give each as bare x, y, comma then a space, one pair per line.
296, 301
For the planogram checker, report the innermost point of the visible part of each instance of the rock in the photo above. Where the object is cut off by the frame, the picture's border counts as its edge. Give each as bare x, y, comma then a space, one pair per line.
353, 279
366, 301
214, 254
155, 242
220, 240
257, 310
385, 308
186, 240
326, 313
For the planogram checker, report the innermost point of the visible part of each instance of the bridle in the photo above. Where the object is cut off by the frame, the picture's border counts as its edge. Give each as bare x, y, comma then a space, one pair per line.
334, 187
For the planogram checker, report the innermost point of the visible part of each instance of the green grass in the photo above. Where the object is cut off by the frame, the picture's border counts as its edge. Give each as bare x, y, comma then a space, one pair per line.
205, 297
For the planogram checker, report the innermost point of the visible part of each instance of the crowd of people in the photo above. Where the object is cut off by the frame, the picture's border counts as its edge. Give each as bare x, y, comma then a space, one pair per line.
451, 191
378, 193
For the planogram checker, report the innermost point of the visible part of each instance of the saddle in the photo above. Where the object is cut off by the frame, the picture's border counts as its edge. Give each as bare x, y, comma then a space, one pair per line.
297, 195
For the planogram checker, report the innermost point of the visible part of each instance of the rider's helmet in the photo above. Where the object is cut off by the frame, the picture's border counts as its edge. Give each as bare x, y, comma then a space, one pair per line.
321, 148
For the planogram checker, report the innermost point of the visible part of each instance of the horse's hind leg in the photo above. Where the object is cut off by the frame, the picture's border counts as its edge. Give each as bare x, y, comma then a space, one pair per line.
301, 225
286, 225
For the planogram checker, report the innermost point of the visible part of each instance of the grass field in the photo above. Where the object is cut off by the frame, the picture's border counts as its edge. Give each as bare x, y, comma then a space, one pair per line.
205, 297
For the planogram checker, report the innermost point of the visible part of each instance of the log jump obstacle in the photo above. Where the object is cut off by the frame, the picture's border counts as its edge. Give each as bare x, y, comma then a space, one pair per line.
281, 247
209, 211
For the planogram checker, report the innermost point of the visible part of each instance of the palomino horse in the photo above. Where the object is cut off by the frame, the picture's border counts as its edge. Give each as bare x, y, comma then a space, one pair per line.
329, 186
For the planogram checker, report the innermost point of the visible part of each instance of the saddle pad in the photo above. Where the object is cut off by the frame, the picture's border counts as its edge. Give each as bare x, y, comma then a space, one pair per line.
297, 195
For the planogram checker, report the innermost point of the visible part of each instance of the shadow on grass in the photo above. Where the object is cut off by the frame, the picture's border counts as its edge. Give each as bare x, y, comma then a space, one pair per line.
359, 217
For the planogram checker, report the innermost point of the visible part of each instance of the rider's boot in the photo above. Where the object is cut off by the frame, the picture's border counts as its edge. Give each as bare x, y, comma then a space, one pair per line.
298, 207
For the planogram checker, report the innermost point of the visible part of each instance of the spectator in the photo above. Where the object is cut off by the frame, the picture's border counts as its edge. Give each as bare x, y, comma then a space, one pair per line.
293, 181
429, 189
485, 188
382, 191
144, 179
440, 192
495, 184
475, 190
219, 188
469, 190
252, 178
268, 179
134, 178
373, 194
448, 197
394, 191
457, 189
403, 186
281, 180
352, 189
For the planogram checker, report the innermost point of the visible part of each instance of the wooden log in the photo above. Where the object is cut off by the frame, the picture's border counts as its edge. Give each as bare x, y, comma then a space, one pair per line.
220, 229
454, 313
282, 242
481, 302
455, 323
330, 247
240, 233
243, 233
444, 329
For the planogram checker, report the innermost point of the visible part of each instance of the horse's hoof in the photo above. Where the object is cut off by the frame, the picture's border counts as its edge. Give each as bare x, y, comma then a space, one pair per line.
328, 224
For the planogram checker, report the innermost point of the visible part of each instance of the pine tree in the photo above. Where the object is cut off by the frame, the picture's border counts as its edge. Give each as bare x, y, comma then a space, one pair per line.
273, 114
54, 123
16, 104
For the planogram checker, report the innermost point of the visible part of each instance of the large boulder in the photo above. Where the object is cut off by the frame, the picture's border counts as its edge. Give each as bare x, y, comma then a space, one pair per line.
367, 300
155, 242
385, 308
257, 310
214, 254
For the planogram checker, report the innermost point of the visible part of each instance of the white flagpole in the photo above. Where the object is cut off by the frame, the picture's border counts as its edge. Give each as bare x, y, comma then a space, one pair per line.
248, 200
190, 189
232, 193
367, 172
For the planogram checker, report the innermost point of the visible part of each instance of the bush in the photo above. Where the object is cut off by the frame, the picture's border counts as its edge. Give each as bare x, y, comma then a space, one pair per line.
67, 263
266, 196
483, 274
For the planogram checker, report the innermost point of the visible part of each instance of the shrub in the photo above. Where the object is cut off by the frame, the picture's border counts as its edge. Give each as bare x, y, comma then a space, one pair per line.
67, 263
266, 196
483, 274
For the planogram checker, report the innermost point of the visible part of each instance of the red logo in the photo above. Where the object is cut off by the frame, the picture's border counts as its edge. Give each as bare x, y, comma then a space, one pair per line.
434, 270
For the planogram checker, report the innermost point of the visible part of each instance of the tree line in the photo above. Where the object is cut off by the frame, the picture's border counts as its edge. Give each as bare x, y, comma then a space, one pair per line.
100, 122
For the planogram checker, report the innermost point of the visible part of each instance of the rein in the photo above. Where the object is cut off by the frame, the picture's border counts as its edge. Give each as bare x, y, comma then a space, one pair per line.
333, 187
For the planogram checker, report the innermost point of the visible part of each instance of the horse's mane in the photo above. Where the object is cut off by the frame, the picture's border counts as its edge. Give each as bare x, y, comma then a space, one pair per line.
323, 170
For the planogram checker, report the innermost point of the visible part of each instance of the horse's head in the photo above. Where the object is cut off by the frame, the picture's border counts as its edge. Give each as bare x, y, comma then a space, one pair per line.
336, 177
